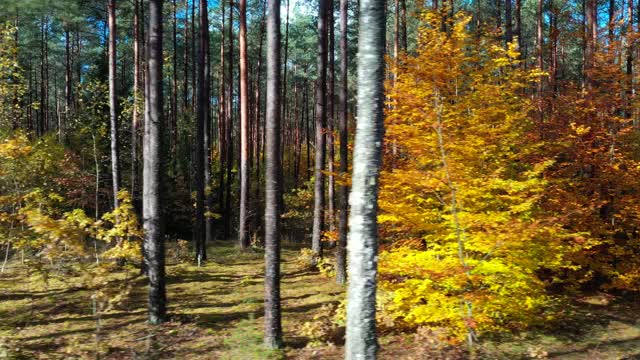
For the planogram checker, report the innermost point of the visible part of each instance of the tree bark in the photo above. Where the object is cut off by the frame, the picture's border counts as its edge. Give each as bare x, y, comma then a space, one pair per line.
222, 112
174, 88
209, 201
136, 101
185, 60
321, 121
361, 339
590, 37
258, 102
113, 102
243, 234
68, 80
152, 172
518, 19
272, 316
331, 120
341, 253
202, 112
508, 31
229, 128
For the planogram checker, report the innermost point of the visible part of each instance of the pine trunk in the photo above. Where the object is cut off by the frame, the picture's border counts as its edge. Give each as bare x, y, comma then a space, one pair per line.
341, 253
320, 121
272, 313
152, 172
113, 102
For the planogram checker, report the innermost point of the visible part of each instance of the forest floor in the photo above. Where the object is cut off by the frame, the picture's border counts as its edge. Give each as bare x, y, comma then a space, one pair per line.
216, 314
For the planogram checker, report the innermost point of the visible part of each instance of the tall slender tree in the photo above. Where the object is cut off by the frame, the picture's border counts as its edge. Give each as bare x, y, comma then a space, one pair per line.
331, 203
341, 254
113, 101
518, 19
207, 142
202, 113
152, 170
320, 121
361, 339
136, 100
272, 313
245, 175
508, 23
229, 126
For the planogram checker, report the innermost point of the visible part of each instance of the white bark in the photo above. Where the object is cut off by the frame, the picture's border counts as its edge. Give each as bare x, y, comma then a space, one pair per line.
361, 339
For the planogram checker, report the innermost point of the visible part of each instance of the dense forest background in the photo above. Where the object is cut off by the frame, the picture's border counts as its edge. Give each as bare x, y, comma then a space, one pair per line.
508, 170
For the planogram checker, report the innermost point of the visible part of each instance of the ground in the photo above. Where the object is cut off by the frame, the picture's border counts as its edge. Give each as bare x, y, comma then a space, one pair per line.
216, 313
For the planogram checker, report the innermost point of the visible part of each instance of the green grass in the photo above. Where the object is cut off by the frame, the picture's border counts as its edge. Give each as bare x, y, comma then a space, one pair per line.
216, 313
211, 307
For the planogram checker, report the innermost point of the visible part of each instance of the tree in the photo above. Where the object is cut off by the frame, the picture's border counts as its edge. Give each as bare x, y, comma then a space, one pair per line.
361, 339
136, 102
229, 127
202, 114
152, 170
341, 254
113, 101
245, 175
508, 31
321, 121
272, 313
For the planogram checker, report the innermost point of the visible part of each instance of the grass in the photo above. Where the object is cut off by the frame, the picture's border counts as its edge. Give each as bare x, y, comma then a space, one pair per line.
216, 313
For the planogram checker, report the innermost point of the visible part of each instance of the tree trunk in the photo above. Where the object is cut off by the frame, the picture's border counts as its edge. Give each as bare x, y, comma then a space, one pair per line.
202, 111
243, 234
229, 128
321, 121
630, 47
185, 64
258, 102
361, 334
341, 253
331, 120
518, 30
307, 130
113, 102
612, 21
284, 120
540, 63
403, 24
222, 113
396, 31
68, 79
204, 24
508, 31
193, 57
361, 340
152, 172
174, 89
272, 314
589, 41
136, 101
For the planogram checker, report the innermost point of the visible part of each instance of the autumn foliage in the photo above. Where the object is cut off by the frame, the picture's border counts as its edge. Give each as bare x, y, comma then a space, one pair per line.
491, 195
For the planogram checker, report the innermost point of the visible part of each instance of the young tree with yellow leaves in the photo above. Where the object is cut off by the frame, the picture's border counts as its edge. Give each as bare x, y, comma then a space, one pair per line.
461, 208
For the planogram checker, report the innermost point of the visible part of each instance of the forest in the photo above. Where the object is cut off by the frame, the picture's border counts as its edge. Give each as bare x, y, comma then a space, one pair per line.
298, 179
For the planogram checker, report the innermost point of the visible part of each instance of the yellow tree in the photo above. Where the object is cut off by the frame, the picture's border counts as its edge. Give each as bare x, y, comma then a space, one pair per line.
460, 198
